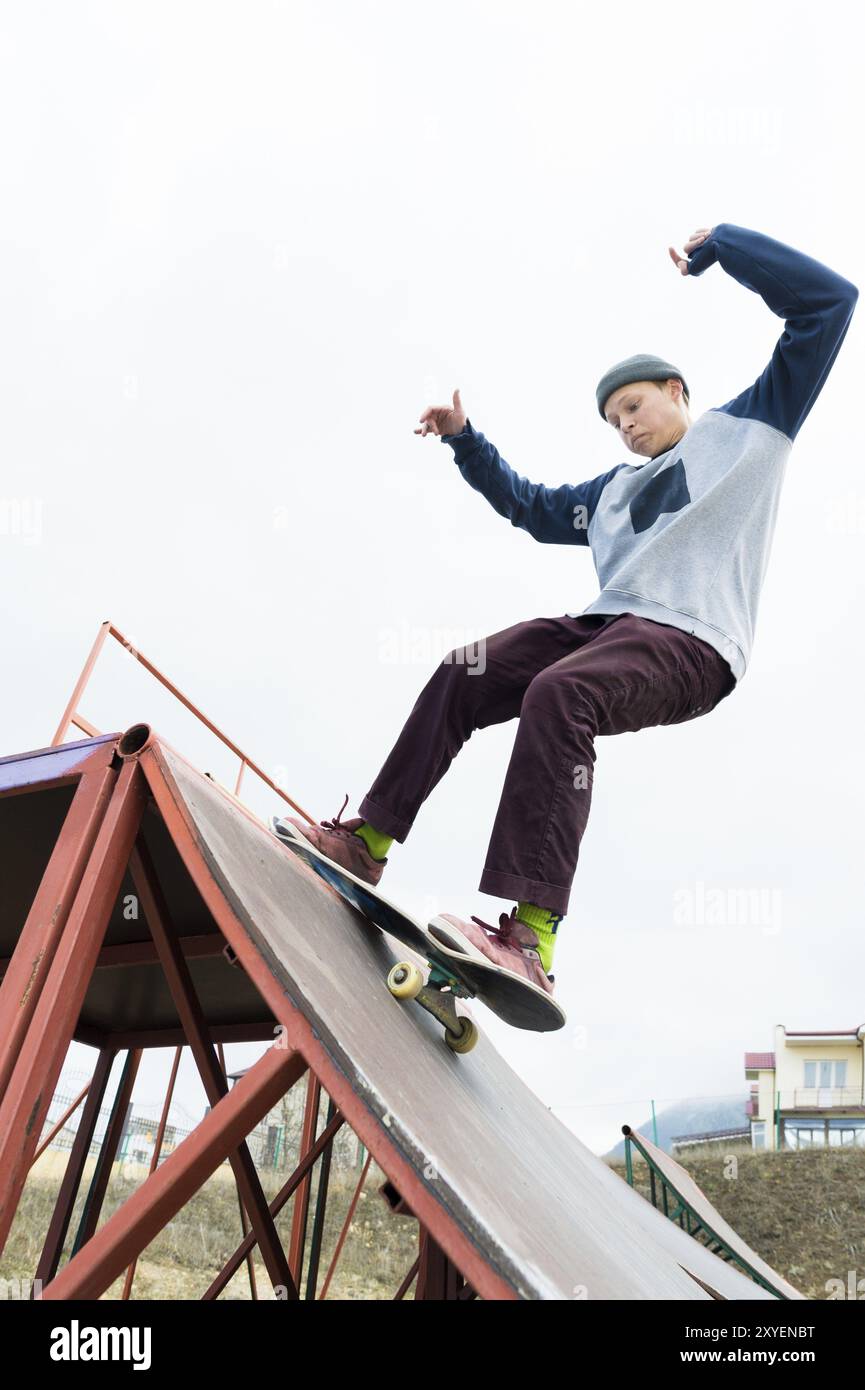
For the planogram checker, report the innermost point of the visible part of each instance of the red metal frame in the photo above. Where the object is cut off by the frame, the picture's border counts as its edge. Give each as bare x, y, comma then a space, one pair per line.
62, 1215
345, 1225
234, 1261
56, 1128
157, 1150
300, 1214
37, 1067
250, 1263
212, 1076
27, 971
107, 1254
42, 989
98, 842
108, 1150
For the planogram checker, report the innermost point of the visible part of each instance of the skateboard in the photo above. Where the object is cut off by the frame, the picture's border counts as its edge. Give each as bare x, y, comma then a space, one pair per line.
457, 969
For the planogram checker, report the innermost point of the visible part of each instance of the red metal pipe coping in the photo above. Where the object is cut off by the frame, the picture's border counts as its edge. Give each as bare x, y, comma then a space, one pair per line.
134, 741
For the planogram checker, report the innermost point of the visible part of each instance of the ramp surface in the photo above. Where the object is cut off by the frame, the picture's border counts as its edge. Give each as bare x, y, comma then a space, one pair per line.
548, 1216
515, 1200
680, 1179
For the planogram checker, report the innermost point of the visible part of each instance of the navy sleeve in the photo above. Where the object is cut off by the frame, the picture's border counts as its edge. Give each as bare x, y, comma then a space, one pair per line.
816, 304
556, 516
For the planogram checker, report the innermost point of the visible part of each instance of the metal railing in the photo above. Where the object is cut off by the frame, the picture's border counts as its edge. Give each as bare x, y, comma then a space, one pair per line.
822, 1098
73, 716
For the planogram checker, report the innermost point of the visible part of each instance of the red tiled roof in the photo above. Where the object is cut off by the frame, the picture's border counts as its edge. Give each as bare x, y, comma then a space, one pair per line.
759, 1061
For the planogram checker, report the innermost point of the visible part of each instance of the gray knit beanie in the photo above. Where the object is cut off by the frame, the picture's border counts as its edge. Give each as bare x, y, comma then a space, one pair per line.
641, 367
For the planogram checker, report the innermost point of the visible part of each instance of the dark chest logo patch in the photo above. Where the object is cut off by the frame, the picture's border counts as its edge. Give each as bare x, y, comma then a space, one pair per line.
666, 492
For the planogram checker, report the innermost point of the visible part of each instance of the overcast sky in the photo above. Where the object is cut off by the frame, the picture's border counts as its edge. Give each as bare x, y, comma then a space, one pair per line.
243, 247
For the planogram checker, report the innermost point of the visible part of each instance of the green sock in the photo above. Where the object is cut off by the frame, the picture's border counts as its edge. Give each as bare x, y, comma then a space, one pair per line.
544, 924
377, 844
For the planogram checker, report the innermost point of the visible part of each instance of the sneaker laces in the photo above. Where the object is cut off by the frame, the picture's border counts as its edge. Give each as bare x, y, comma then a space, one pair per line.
336, 824
506, 934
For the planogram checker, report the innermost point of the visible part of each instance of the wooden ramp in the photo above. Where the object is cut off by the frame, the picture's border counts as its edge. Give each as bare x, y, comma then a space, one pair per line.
515, 1201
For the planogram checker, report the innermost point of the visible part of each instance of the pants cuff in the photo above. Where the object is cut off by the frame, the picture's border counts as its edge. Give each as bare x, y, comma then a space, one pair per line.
530, 890
383, 820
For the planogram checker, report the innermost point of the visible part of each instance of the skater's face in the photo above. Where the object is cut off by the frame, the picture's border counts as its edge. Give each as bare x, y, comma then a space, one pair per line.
649, 416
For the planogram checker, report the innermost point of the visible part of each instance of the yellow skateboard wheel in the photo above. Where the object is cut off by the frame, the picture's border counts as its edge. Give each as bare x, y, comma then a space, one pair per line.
465, 1039
405, 981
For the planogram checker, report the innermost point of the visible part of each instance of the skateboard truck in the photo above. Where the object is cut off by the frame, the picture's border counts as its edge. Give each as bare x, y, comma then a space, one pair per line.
456, 969
438, 996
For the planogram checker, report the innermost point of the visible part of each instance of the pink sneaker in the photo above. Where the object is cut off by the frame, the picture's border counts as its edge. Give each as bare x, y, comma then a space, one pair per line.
511, 944
336, 839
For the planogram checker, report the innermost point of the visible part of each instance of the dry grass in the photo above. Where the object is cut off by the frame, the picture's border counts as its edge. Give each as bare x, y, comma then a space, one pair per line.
802, 1212
183, 1259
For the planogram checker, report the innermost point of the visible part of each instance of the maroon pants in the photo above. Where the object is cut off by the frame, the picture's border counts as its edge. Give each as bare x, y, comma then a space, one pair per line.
569, 680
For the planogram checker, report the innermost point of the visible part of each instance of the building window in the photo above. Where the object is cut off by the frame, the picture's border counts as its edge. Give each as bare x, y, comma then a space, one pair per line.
825, 1081
802, 1137
758, 1134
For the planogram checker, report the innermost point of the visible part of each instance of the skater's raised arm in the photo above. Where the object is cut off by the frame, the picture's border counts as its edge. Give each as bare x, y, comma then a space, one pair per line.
555, 516
816, 303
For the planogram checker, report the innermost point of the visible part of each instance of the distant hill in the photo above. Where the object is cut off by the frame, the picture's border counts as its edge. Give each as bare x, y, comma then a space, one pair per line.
688, 1117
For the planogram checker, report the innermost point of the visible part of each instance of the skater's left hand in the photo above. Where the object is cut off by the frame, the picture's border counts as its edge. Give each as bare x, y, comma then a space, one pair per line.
697, 238
444, 419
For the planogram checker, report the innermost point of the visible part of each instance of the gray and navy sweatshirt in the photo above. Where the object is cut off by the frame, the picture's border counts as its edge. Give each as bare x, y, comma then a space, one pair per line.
684, 538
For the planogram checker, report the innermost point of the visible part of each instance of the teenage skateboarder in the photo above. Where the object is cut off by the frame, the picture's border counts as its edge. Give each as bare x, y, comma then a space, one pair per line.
680, 538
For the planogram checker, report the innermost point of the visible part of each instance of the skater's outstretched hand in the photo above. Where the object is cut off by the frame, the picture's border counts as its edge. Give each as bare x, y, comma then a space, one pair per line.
697, 239
443, 419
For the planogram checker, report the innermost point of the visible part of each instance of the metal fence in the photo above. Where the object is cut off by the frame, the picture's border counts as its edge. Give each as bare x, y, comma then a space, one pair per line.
273, 1144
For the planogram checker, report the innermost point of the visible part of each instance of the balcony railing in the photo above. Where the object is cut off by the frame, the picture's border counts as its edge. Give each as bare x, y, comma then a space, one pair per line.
822, 1098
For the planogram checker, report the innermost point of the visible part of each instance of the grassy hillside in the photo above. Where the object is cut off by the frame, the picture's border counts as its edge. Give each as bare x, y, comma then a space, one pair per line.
803, 1212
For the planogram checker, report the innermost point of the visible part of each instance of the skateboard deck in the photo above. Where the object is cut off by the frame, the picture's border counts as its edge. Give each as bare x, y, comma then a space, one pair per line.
457, 968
